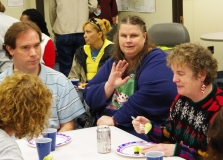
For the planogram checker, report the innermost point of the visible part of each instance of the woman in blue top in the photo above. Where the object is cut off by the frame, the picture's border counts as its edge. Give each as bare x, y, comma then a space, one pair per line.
154, 90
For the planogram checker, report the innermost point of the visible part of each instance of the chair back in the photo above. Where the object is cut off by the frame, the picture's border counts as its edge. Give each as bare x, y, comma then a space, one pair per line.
168, 34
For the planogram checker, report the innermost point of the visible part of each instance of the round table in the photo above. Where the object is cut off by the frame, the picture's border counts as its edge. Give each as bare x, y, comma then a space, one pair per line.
218, 36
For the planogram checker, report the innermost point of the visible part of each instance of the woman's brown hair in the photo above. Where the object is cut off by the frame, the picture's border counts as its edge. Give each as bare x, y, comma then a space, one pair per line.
119, 55
215, 136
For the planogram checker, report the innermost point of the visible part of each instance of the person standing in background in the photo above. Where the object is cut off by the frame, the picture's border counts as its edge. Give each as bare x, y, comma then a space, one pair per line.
5, 62
5, 22
67, 19
48, 53
107, 9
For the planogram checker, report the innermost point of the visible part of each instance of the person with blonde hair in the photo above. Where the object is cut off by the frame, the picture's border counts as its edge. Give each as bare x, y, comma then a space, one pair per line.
25, 107
90, 57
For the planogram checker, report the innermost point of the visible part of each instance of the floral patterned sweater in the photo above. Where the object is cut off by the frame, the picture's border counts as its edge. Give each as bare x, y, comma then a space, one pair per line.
188, 123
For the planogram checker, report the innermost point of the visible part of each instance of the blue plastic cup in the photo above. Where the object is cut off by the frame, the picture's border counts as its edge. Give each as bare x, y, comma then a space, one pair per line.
43, 146
154, 155
75, 81
51, 133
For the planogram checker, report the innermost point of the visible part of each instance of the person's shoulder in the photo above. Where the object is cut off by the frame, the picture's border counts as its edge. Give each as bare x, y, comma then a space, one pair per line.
110, 61
5, 138
45, 37
4, 74
80, 49
158, 52
2, 133
8, 18
51, 73
10, 148
109, 48
108, 41
155, 53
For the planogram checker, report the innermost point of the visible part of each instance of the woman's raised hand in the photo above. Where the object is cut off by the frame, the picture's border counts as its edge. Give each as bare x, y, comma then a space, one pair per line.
115, 78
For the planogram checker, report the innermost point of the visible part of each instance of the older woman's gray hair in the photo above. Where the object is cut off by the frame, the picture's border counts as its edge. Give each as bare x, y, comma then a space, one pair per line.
196, 57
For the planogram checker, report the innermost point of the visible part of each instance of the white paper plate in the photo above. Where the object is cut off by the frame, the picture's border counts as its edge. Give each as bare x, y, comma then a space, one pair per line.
127, 149
79, 87
61, 139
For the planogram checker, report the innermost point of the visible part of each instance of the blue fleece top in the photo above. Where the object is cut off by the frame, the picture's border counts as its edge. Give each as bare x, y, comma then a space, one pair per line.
154, 93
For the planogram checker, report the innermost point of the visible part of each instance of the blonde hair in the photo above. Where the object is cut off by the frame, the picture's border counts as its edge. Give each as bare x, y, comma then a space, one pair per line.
2, 7
25, 105
101, 25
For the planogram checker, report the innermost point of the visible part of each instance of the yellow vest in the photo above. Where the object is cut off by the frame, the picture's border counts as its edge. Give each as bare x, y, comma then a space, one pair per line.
91, 65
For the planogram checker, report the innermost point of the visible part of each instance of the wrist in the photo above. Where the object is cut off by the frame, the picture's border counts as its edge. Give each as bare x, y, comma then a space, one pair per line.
110, 85
114, 122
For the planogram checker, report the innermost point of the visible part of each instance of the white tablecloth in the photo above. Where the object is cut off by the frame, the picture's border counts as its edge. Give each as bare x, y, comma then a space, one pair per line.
84, 146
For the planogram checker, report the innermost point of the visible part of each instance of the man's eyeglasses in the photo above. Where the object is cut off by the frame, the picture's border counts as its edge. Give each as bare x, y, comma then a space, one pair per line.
95, 22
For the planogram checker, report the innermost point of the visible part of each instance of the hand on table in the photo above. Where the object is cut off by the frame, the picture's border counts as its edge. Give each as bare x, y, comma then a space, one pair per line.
137, 121
105, 120
168, 149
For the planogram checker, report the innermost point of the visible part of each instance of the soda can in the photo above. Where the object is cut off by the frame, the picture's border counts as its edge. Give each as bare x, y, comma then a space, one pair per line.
103, 139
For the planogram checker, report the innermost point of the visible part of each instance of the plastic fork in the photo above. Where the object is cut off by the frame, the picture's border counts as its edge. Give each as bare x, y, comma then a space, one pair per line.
141, 125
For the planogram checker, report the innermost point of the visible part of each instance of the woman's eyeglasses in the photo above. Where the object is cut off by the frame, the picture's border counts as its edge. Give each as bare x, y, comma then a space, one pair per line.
95, 22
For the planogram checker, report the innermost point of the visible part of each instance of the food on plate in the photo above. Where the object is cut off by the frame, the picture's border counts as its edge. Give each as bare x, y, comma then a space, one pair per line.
137, 150
148, 126
140, 150
48, 157
83, 85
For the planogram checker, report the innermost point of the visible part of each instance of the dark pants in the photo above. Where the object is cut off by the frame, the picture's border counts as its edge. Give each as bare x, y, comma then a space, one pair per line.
110, 35
66, 45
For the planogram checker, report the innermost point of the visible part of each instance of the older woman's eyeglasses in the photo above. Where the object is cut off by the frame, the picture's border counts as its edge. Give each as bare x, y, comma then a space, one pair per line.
95, 22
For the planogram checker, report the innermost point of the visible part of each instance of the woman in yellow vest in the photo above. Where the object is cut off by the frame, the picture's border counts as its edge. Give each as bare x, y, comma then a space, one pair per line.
90, 57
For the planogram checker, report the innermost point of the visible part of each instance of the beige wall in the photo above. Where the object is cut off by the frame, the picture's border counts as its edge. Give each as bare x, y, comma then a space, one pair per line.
17, 11
202, 17
47, 18
162, 14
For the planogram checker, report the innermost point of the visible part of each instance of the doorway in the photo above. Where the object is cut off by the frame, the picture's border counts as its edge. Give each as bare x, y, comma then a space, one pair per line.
40, 7
177, 11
